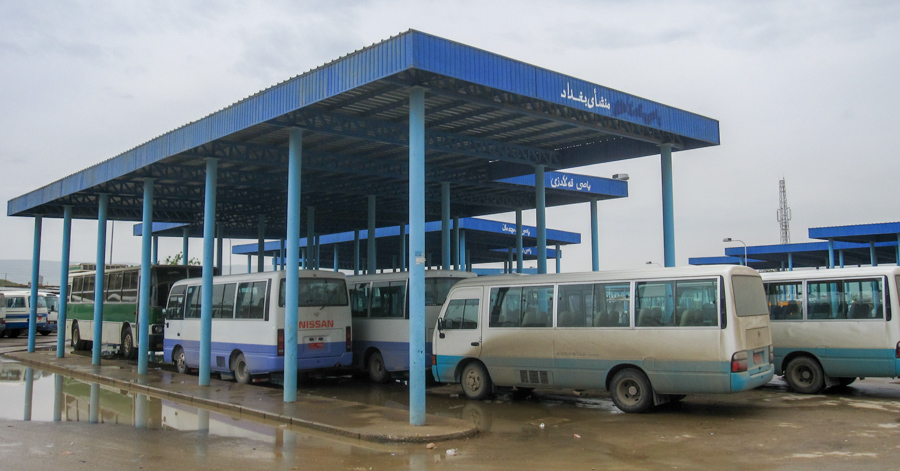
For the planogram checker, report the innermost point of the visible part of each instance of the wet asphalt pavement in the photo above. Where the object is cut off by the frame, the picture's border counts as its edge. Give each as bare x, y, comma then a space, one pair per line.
856, 427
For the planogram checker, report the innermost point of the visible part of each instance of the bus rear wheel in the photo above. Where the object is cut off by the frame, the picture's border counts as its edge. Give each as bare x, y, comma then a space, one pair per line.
804, 375
378, 373
126, 349
13, 333
241, 373
76, 342
179, 361
631, 391
476, 383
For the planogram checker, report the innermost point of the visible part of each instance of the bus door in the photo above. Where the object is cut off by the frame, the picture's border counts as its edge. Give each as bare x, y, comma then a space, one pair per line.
458, 333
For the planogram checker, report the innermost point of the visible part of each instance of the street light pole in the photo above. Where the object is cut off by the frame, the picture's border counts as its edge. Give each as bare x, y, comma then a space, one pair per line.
729, 239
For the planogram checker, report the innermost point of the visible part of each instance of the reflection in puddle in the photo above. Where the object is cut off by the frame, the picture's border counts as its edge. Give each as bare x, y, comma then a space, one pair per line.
54, 397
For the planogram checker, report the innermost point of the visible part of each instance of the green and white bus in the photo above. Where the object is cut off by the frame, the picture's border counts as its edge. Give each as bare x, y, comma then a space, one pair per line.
120, 306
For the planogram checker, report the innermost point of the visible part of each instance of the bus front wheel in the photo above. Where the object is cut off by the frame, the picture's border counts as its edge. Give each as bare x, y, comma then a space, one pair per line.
378, 373
476, 383
631, 391
241, 373
179, 360
127, 348
804, 375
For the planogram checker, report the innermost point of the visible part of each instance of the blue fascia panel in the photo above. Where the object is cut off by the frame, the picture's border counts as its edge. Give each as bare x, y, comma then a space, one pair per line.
527, 251
157, 227
553, 236
858, 232
577, 183
453, 59
799, 248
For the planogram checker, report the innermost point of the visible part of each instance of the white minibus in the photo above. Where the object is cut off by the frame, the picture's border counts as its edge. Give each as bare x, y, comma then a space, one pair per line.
379, 303
830, 327
247, 337
647, 336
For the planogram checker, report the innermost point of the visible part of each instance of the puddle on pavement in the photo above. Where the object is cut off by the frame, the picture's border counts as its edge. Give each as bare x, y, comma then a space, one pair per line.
51, 397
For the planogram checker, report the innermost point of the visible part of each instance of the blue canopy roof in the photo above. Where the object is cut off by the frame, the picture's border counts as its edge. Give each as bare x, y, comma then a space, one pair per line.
488, 118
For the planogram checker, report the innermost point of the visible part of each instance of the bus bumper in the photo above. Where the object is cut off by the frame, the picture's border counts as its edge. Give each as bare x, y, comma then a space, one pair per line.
745, 381
156, 343
444, 368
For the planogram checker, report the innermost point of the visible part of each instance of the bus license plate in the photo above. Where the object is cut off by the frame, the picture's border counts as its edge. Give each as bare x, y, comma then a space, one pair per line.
317, 346
757, 358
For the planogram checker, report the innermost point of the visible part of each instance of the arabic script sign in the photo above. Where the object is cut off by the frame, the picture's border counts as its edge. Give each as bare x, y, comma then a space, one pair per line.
590, 102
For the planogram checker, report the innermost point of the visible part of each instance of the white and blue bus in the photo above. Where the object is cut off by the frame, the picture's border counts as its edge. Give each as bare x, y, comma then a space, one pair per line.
18, 311
830, 327
379, 303
248, 324
648, 336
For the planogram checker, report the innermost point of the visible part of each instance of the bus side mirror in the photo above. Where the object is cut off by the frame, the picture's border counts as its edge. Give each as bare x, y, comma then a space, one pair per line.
440, 325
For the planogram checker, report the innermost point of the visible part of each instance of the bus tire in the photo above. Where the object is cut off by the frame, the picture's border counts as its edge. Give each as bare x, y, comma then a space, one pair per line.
241, 373
378, 373
13, 333
76, 342
804, 375
179, 361
476, 383
44, 332
631, 391
126, 348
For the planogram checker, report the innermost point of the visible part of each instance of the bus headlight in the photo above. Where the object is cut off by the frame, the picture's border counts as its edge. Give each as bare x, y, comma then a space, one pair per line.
157, 329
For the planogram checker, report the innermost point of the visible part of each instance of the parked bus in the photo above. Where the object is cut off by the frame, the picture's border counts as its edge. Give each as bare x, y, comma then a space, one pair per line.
648, 336
381, 318
120, 306
2, 314
18, 310
830, 327
247, 338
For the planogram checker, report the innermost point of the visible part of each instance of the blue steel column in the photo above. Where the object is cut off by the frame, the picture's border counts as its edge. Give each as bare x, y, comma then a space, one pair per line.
668, 207
520, 249
872, 254
219, 248
103, 205
830, 253
292, 270
841, 257
311, 238
155, 256
260, 245
790, 262
356, 252
402, 247
64, 283
184, 246
336, 258
370, 238
209, 234
462, 250
144, 299
417, 256
35, 276
540, 210
595, 238
558, 257
445, 225
455, 244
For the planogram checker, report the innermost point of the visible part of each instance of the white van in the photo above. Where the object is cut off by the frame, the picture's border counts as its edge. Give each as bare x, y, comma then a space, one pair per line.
17, 312
2, 314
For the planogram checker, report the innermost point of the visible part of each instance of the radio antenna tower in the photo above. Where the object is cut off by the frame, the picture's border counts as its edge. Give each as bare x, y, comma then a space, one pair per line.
784, 214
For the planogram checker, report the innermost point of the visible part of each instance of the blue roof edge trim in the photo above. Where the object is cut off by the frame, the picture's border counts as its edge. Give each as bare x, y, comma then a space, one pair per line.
854, 230
469, 63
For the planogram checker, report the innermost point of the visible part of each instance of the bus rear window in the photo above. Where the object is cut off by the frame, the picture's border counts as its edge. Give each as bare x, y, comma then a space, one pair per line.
749, 296
318, 292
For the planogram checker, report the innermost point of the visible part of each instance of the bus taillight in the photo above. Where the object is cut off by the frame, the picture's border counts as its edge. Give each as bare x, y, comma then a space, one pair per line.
349, 345
281, 342
739, 362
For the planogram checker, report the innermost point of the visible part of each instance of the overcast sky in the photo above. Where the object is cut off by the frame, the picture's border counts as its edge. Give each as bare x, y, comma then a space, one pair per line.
807, 91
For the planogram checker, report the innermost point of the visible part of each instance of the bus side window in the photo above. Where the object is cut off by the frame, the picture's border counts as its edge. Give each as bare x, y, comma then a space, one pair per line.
359, 300
192, 303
